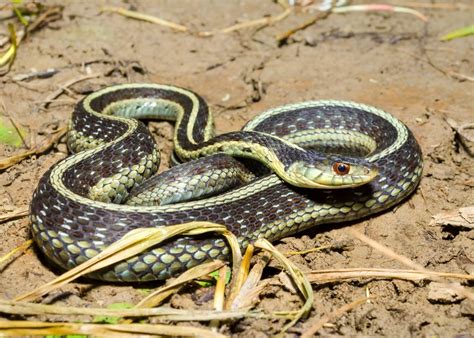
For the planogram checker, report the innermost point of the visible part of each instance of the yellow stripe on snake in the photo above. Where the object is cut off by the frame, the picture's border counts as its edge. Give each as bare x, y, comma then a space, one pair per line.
289, 169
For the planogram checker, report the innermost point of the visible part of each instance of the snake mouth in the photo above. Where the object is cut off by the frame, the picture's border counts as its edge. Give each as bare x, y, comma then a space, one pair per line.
304, 176
350, 182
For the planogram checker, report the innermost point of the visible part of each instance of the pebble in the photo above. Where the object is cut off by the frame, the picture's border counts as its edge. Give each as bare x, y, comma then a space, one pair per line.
442, 293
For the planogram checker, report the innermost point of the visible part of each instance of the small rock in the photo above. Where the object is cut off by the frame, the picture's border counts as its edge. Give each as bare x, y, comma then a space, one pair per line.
62, 148
467, 308
442, 293
310, 41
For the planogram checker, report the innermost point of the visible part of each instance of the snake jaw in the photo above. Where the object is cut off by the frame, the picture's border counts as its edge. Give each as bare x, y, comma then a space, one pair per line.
322, 176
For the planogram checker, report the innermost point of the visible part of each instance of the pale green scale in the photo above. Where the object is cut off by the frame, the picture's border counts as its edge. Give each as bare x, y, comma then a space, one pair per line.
176, 250
121, 267
139, 267
395, 192
89, 253
191, 249
167, 258
81, 259
206, 247
214, 253
75, 250
174, 267
185, 258
84, 244
199, 255
56, 243
64, 255
150, 259
158, 267
370, 203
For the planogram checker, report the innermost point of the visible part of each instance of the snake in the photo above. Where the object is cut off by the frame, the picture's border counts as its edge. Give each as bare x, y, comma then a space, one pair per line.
289, 169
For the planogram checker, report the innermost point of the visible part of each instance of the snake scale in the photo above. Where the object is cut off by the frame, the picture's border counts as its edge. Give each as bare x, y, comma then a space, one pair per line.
328, 161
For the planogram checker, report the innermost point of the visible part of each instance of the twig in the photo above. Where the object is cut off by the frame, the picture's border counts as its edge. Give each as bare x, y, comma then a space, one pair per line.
448, 73
282, 38
63, 87
20, 212
38, 149
51, 14
247, 24
145, 17
23, 247
42, 74
304, 252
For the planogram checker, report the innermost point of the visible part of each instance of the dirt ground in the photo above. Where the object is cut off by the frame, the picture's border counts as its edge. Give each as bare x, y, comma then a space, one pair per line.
393, 61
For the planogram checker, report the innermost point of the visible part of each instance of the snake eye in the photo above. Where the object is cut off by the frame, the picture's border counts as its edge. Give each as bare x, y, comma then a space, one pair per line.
341, 168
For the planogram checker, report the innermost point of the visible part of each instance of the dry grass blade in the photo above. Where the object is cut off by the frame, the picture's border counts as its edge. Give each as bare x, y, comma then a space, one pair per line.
9, 56
20, 328
298, 277
304, 252
406, 261
20, 212
133, 243
249, 291
145, 17
242, 274
220, 289
51, 14
311, 331
23, 308
386, 251
252, 23
281, 38
37, 150
23, 247
219, 295
379, 7
327, 276
161, 294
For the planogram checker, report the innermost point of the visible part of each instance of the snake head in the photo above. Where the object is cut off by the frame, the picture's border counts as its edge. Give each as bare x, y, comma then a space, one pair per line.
332, 172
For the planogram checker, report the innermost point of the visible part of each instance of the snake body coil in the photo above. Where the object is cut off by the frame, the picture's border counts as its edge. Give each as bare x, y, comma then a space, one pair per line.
77, 209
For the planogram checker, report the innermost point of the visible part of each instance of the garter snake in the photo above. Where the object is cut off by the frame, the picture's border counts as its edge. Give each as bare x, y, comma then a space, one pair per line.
78, 207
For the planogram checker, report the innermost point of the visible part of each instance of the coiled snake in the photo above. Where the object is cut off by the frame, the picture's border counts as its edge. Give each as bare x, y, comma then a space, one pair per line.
332, 161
